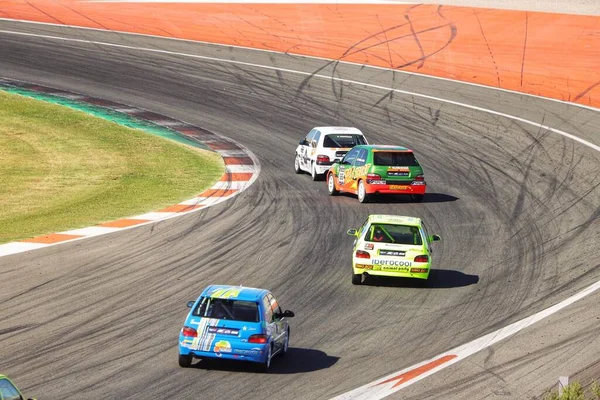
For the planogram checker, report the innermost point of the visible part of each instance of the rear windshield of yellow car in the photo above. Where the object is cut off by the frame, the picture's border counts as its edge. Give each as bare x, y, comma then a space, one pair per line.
343, 140
395, 159
398, 234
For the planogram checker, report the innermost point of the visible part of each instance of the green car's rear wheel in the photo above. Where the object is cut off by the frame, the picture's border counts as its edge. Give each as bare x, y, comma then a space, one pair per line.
363, 197
331, 185
356, 279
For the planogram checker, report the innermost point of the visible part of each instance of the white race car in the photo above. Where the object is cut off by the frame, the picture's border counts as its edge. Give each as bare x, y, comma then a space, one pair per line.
317, 151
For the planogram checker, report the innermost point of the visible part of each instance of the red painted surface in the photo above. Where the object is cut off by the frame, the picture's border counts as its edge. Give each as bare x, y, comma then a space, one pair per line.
413, 373
551, 55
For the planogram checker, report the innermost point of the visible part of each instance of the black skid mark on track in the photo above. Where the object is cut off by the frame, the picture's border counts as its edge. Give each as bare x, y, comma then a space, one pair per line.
524, 46
29, 3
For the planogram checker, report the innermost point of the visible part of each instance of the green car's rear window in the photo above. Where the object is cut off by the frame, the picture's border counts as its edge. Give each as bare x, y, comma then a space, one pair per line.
395, 159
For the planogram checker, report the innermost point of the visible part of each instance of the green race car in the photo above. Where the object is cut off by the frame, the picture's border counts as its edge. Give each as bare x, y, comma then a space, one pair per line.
392, 245
367, 170
8, 391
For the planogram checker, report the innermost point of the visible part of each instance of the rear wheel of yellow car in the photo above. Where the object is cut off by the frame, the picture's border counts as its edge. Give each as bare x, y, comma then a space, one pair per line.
331, 185
363, 197
356, 279
423, 283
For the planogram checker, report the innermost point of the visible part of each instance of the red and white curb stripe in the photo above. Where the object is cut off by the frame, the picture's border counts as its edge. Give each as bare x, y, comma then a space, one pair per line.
241, 170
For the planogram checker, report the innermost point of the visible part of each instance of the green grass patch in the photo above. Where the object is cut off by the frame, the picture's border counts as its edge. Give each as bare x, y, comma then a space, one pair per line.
63, 169
574, 391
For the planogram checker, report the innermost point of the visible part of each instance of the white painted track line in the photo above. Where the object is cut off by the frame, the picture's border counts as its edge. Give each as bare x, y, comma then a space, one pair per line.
406, 377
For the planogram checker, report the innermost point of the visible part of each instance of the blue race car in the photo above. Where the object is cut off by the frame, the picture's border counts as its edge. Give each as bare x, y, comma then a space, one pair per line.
234, 322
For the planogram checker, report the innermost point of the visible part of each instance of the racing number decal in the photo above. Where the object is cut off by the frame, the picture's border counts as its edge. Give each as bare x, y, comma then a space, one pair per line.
304, 157
341, 174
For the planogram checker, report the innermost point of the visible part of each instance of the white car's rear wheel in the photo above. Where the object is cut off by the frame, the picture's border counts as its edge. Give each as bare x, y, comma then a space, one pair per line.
297, 165
313, 173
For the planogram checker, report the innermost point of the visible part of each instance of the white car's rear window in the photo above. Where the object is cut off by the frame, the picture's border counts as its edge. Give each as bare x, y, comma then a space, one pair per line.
343, 140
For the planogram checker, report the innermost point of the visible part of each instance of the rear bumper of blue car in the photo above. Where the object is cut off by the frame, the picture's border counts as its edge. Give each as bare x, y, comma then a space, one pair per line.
239, 351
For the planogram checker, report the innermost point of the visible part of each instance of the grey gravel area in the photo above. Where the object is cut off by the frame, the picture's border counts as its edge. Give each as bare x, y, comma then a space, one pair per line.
583, 7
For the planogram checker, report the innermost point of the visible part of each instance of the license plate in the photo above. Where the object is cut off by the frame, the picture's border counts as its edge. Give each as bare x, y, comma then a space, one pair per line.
398, 187
394, 268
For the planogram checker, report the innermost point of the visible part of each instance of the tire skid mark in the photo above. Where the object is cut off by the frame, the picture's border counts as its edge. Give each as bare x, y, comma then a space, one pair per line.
524, 46
490, 49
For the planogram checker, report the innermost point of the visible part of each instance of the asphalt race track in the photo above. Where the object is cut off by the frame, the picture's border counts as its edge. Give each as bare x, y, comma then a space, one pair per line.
517, 207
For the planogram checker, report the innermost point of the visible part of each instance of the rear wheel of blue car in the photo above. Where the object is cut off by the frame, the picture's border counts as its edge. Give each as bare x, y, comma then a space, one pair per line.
286, 344
185, 361
264, 367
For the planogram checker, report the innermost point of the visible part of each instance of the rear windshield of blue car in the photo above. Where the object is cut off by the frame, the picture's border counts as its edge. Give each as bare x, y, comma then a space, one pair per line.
341, 140
227, 309
395, 159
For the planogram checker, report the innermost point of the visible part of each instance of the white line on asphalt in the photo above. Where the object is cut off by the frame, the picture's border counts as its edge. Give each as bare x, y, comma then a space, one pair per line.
399, 380
291, 71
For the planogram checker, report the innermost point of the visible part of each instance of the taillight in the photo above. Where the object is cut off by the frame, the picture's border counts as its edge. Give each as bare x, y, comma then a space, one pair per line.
189, 332
375, 179
321, 159
419, 181
257, 339
362, 254
422, 258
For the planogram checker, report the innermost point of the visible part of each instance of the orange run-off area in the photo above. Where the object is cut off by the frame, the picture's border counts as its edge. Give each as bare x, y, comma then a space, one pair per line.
551, 55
